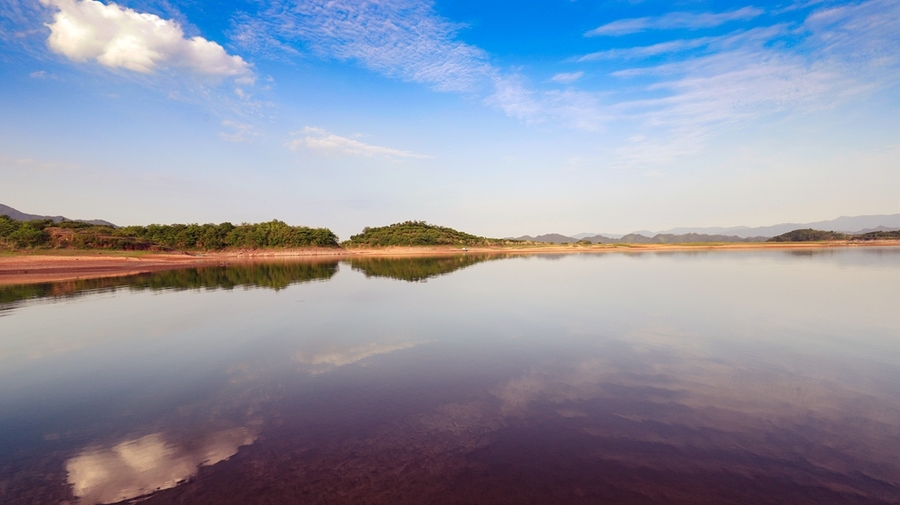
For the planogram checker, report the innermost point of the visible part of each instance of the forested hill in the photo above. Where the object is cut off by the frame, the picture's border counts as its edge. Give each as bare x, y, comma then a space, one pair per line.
161, 237
811, 235
418, 233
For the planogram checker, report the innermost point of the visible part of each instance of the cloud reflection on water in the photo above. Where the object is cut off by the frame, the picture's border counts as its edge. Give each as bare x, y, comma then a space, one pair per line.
143, 465
318, 362
707, 374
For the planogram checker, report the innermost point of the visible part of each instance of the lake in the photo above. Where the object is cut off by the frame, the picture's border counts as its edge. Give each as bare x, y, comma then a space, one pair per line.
766, 376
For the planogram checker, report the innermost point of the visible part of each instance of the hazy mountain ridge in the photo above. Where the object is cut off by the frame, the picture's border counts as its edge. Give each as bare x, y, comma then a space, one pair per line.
671, 238
6, 210
843, 224
550, 238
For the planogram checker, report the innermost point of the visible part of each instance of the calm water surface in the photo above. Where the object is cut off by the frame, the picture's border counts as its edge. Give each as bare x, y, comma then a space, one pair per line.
714, 377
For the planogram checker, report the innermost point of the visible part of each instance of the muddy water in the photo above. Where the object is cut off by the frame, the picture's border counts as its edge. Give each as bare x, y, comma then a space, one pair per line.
717, 377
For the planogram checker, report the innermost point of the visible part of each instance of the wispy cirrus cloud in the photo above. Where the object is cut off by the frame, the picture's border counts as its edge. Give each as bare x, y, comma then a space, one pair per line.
323, 141
407, 39
836, 54
240, 132
719, 43
567, 77
863, 35
119, 37
577, 109
674, 20
733, 78
399, 38
404, 39
672, 46
723, 90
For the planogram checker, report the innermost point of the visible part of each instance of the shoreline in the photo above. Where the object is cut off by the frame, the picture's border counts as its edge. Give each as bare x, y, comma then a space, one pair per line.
35, 267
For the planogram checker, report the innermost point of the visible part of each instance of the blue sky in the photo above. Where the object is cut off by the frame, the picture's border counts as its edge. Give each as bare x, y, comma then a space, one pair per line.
498, 118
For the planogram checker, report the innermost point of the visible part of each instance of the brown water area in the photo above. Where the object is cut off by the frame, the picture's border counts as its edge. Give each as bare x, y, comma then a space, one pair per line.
738, 377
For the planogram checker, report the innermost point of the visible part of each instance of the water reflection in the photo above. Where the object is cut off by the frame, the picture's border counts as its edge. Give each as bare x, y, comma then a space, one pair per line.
326, 360
141, 466
262, 275
417, 269
735, 377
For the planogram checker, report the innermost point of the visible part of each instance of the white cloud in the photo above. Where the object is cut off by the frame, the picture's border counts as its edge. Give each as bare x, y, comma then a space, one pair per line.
674, 20
119, 37
567, 77
326, 142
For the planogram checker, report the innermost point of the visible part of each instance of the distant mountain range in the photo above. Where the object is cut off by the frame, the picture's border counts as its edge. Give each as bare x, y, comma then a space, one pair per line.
843, 224
6, 210
637, 238
552, 238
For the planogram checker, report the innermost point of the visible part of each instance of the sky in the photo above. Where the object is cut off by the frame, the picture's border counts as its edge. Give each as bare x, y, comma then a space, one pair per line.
499, 118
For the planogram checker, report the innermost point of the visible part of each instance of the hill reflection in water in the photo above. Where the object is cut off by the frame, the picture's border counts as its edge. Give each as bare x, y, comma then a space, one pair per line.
272, 275
417, 269
738, 377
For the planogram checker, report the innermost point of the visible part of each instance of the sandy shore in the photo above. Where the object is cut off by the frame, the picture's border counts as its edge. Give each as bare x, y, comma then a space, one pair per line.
52, 266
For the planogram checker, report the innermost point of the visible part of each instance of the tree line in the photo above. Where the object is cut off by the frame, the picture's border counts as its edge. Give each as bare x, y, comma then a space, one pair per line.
208, 237
418, 233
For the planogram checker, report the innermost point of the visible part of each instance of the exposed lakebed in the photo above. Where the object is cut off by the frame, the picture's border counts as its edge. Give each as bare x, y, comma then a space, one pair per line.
676, 377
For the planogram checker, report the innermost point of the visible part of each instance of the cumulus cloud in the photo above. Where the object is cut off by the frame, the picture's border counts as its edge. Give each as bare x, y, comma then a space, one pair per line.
674, 20
326, 142
119, 37
136, 467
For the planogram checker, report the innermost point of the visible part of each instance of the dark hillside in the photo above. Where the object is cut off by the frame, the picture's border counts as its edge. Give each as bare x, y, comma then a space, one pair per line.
809, 235
879, 235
